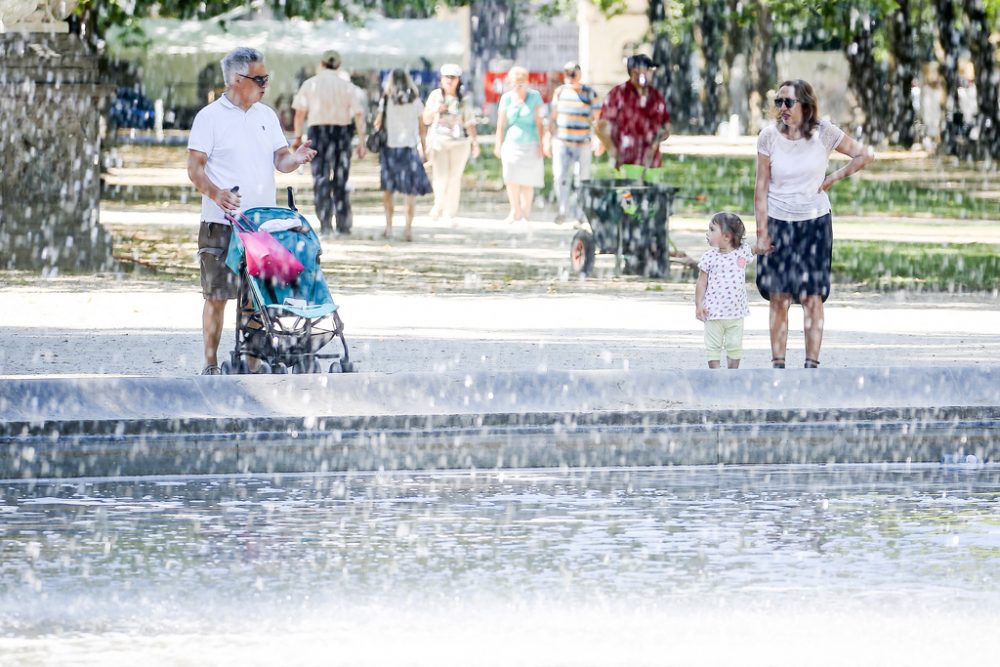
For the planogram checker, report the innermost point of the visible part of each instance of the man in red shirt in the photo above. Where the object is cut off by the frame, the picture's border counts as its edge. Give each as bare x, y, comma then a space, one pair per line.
635, 119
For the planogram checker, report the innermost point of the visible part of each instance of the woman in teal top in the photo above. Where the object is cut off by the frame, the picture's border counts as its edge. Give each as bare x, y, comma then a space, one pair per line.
519, 143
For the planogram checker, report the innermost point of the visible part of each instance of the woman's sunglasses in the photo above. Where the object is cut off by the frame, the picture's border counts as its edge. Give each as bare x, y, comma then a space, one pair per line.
259, 80
789, 102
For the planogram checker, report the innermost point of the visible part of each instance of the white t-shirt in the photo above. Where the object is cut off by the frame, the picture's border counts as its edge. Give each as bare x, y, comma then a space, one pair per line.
797, 170
240, 147
726, 295
403, 124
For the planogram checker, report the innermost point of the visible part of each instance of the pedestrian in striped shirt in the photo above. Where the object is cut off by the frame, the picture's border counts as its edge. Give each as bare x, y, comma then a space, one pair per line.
575, 108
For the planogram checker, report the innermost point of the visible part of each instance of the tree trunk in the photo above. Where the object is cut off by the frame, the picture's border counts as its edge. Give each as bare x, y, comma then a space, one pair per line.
733, 44
865, 80
711, 48
671, 77
684, 105
662, 78
763, 70
987, 125
948, 33
902, 117
493, 35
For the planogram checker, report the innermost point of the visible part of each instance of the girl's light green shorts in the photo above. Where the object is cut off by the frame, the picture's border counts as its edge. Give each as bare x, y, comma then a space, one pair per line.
724, 335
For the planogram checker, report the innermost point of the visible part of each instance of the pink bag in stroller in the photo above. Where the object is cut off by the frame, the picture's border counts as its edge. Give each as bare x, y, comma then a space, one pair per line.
266, 257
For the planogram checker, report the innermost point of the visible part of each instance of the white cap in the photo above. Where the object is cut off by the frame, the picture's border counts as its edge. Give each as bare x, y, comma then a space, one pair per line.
451, 69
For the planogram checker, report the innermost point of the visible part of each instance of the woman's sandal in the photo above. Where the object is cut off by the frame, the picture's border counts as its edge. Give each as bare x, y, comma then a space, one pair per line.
778, 362
811, 363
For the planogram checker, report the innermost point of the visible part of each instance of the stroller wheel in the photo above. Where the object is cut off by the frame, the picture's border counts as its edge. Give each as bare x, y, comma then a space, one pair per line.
341, 367
306, 366
581, 253
239, 368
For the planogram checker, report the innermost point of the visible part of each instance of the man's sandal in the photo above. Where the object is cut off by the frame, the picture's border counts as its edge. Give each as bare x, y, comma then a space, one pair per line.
778, 362
811, 363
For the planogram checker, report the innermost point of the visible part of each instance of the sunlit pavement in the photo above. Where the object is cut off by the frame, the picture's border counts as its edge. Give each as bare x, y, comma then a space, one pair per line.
158, 333
416, 321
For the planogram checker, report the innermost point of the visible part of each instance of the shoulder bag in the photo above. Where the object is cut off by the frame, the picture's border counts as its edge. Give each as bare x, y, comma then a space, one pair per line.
378, 139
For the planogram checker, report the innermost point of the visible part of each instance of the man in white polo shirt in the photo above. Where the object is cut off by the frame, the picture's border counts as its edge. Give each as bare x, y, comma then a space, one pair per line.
331, 105
235, 142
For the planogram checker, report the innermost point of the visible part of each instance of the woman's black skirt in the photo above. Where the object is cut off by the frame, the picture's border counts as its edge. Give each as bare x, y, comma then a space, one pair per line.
800, 262
403, 171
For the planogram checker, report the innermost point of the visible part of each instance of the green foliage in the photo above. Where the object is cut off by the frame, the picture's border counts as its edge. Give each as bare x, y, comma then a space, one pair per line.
103, 14
966, 267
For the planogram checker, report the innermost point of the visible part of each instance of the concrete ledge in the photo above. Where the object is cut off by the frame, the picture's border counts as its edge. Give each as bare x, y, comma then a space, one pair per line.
68, 427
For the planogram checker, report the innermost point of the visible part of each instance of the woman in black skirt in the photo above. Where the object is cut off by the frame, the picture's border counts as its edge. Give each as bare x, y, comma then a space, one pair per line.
794, 222
401, 164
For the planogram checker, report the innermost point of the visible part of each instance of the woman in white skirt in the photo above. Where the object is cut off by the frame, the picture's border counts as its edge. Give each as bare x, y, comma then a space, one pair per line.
519, 143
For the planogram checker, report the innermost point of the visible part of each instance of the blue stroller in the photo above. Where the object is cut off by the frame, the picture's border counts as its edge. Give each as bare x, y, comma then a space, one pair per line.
285, 326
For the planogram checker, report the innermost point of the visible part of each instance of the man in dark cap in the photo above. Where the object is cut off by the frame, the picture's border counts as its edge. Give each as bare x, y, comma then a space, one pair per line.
635, 119
331, 104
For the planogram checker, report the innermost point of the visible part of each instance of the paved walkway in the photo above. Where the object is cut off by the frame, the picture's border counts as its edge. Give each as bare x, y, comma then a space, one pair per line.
481, 295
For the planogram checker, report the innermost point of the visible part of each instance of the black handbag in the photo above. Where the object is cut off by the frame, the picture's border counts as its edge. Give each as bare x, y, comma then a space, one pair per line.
377, 140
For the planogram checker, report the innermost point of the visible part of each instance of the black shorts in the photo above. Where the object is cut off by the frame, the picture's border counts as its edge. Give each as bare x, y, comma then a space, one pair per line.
801, 260
217, 280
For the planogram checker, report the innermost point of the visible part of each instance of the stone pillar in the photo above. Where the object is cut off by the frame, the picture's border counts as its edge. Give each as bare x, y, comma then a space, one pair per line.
50, 110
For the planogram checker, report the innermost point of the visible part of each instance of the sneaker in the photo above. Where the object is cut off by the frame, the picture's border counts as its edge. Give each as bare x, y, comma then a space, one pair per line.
211, 370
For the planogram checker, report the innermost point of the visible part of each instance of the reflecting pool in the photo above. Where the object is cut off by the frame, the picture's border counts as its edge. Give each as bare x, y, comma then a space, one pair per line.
688, 565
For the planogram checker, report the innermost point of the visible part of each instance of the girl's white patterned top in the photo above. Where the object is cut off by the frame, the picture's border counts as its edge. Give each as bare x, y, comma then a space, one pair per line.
726, 296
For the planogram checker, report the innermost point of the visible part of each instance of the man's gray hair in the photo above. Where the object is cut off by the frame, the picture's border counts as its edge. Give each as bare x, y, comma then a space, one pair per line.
238, 61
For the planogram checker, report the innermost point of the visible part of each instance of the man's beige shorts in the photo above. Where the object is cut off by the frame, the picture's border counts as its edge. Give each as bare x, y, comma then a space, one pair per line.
724, 335
217, 281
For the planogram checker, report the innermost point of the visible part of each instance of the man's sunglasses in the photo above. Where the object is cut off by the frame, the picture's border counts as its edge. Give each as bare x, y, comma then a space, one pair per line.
259, 80
789, 102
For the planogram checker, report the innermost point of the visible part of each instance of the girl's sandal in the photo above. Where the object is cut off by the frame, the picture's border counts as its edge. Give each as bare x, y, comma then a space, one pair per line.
811, 363
778, 362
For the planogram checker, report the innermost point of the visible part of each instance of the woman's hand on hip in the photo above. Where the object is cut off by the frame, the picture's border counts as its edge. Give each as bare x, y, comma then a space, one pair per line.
827, 183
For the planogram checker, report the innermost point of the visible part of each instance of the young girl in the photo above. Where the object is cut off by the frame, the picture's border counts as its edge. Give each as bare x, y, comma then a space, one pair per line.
721, 295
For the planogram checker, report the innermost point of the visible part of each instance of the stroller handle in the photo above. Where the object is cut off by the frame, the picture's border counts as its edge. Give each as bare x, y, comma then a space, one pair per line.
239, 221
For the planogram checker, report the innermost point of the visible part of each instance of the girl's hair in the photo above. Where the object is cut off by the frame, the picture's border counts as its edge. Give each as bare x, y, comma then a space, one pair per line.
515, 74
400, 88
810, 107
731, 224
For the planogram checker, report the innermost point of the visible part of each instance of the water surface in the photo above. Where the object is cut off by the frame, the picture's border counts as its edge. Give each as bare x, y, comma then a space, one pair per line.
688, 565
